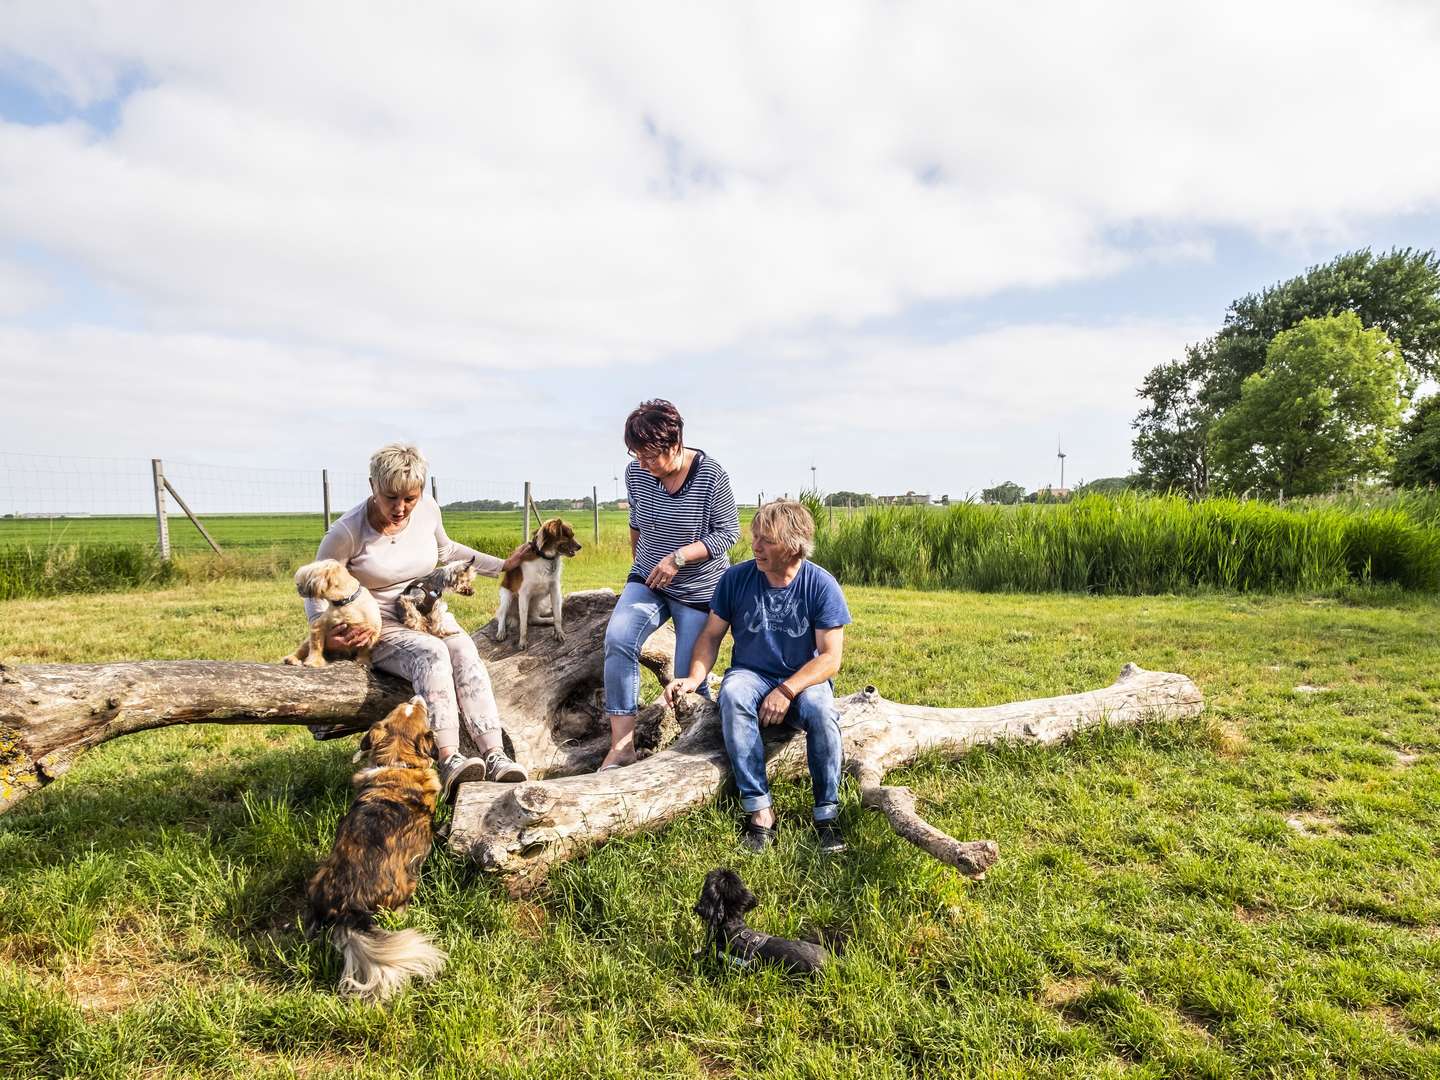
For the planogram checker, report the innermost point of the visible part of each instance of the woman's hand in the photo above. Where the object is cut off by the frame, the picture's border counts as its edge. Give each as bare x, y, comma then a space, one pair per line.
343, 636
516, 557
774, 708
663, 574
677, 687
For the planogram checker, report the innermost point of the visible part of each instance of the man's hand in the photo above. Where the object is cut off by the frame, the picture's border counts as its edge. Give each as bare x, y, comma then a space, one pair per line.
663, 574
677, 687
515, 558
774, 708
343, 636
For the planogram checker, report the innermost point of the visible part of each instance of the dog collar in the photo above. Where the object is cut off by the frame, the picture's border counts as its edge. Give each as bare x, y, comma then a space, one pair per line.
749, 942
548, 558
349, 599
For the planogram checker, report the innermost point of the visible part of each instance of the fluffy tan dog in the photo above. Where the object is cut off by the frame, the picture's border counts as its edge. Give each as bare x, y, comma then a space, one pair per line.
346, 601
375, 862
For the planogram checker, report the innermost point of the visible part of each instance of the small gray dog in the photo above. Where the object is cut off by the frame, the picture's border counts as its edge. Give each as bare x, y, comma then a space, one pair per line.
422, 606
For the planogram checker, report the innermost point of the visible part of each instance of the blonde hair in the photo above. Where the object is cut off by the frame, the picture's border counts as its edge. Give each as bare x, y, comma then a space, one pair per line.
787, 523
398, 468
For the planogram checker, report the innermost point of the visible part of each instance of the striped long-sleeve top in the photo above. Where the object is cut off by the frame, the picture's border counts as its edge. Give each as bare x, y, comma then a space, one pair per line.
703, 509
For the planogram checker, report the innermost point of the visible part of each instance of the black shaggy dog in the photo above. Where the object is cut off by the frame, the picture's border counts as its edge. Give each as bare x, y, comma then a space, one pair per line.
723, 902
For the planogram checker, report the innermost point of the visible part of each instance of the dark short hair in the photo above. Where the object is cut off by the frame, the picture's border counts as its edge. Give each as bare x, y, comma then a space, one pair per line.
654, 425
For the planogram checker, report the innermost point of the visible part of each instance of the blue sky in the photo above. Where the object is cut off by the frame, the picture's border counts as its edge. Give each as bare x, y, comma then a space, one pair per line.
912, 243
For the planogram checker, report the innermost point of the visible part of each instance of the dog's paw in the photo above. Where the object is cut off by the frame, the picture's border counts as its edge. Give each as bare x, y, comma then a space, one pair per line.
313, 661
559, 634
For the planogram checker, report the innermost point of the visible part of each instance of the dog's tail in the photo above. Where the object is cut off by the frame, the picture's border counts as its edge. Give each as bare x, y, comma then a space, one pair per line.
378, 963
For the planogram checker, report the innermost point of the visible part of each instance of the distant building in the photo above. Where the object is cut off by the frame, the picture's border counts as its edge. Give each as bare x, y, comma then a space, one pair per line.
622, 504
910, 498
1054, 494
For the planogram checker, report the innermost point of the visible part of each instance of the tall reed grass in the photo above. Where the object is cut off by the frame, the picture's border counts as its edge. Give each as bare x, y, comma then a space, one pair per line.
1132, 544
51, 569
1421, 505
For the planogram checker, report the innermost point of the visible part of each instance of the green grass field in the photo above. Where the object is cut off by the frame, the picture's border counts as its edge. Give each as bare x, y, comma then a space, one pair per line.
1254, 894
268, 530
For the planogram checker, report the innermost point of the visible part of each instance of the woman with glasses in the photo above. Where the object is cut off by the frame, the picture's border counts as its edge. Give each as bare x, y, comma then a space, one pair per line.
682, 522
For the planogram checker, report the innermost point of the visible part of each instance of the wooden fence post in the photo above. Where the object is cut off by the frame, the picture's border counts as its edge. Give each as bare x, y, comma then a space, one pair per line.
193, 519
527, 511
434, 491
162, 524
325, 495
595, 506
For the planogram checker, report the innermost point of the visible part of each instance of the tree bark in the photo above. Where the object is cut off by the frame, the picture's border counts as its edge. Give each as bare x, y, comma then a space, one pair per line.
549, 697
521, 831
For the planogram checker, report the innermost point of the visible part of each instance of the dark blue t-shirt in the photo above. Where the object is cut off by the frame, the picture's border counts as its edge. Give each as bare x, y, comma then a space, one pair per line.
774, 628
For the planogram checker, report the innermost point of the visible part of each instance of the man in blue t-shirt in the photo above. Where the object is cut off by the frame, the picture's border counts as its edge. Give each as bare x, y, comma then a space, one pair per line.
788, 617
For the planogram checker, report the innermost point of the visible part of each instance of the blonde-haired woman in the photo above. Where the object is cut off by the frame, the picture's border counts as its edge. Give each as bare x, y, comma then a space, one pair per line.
387, 541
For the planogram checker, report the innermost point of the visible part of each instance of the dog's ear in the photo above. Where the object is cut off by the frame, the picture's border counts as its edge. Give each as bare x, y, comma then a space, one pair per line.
305, 581
364, 748
711, 905
424, 745
738, 898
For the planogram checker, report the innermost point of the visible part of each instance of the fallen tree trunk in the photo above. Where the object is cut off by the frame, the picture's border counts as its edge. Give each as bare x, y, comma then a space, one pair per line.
549, 697
521, 831
51, 713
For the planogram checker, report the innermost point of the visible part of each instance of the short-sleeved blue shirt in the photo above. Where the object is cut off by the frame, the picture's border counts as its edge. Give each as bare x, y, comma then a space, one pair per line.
774, 629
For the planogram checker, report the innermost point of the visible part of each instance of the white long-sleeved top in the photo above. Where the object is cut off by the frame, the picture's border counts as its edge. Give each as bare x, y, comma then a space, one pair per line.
386, 564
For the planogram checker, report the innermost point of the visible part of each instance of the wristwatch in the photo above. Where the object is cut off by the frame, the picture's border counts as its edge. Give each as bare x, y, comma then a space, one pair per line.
680, 561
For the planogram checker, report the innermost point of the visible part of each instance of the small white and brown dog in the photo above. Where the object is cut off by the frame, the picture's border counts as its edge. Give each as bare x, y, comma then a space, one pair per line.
536, 579
346, 601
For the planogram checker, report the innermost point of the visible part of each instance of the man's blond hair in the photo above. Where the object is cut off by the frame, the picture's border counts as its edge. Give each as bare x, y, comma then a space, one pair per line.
787, 523
398, 468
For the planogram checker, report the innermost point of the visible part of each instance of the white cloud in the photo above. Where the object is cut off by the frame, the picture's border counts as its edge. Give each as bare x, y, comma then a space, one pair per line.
557, 184
484, 193
949, 417
22, 290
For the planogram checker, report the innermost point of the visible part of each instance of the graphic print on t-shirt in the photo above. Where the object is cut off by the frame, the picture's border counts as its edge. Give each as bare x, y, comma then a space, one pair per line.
779, 612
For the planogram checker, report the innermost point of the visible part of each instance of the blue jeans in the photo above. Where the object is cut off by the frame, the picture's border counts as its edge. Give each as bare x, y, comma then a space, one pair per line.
812, 712
638, 613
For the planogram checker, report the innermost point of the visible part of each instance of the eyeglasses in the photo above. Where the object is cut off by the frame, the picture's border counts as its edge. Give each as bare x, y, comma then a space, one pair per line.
651, 455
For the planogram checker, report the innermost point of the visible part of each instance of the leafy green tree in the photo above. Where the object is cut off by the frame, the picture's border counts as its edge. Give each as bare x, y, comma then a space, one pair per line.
1172, 441
1007, 494
1322, 411
1398, 292
848, 498
1417, 447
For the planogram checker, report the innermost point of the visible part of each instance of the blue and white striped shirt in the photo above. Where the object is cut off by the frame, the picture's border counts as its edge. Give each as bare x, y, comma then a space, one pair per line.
703, 509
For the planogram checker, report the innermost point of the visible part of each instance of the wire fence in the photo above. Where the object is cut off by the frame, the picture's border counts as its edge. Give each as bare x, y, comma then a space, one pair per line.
48, 501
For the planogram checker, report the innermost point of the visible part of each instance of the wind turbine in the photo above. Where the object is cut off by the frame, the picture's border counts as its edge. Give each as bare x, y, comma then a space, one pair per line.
1061, 455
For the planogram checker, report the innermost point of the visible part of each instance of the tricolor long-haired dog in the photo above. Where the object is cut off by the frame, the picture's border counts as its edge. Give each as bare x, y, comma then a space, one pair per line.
422, 604
537, 576
375, 862
346, 601
724, 901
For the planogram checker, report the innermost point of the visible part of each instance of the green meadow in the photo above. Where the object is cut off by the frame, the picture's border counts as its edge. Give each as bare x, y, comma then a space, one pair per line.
1254, 893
